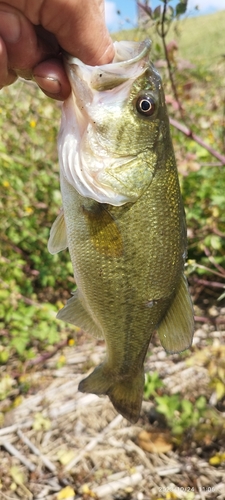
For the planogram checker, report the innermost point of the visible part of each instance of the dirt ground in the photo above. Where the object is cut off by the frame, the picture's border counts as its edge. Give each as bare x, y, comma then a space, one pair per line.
60, 444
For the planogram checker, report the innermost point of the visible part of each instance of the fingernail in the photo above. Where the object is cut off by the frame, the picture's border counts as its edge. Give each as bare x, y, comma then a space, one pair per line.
48, 84
9, 27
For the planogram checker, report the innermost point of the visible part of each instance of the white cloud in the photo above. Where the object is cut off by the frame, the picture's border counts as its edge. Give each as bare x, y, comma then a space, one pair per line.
111, 16
206, 5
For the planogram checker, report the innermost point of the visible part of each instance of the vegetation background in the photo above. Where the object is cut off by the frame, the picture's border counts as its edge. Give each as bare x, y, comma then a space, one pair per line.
35, 284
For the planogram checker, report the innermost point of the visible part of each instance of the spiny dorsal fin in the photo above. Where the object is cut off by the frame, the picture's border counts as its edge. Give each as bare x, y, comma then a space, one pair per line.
74, 312
58, 237
177, 328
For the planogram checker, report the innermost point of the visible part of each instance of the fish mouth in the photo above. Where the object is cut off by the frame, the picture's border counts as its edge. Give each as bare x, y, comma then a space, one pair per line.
126, 53
99, 92
130, 61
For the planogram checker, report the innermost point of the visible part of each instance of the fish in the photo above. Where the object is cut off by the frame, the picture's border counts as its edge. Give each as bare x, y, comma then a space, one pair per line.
122, 219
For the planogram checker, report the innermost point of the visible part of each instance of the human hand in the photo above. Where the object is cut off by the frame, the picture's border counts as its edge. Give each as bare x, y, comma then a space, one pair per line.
33, 33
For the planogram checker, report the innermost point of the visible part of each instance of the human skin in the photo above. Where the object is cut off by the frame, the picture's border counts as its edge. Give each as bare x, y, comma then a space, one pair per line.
33, 34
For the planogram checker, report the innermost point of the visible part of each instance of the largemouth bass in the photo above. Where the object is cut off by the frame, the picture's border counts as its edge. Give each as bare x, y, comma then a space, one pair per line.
122, 219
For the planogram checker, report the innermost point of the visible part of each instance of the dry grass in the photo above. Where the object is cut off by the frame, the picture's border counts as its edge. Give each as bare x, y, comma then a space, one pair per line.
59, 443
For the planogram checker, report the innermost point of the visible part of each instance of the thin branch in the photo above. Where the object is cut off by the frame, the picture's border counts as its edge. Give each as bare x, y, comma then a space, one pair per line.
188, 132
200, 266
213, 320
202, 319
46, 355
217, 266
169, 67
145, 8
16, 453
162, 32
220, 321
114, 486
210, 284
169, 470
214, 229
36, 451
14, 428
94, 441
200, 489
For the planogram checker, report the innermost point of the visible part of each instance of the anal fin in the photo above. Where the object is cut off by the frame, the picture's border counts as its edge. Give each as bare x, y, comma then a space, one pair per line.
74, 312
177, 327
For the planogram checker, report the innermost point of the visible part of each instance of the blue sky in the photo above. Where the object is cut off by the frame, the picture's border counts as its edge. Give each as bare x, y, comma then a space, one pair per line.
128, 10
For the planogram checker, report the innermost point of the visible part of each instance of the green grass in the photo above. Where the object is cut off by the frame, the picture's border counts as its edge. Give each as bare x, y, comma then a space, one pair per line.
200, 39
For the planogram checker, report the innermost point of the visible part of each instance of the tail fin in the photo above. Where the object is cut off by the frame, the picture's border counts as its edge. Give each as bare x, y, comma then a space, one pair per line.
125, 394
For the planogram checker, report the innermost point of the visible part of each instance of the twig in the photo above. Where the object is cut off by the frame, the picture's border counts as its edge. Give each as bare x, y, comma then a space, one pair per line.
200, 266
16, 453
36, 451
202, 319
162, 32
70, 406
19, 296
214, 321
168, 471
169, 67
211, 164
201, 492
214, 229
125, 482
93, 442
212, 284
46, 355
188, 132
6, 497
14, 428
220, 321
131, 447
219, 268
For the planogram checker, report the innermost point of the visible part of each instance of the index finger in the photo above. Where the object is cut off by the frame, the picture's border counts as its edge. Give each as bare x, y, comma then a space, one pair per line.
24, 48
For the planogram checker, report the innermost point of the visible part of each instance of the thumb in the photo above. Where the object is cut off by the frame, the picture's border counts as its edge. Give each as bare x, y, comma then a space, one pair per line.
80, 29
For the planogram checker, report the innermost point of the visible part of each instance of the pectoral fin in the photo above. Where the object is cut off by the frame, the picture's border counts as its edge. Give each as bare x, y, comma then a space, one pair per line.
177, 328
58, 237
74, 312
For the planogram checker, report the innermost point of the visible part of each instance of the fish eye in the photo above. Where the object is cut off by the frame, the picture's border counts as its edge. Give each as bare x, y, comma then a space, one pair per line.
146, 105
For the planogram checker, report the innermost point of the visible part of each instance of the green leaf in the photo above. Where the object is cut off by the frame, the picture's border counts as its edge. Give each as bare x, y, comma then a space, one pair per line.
201, 403
181, 8
187, 407
156, 12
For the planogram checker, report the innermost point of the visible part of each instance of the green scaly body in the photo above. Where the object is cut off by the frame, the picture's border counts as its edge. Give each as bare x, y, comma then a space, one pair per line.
129, 260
